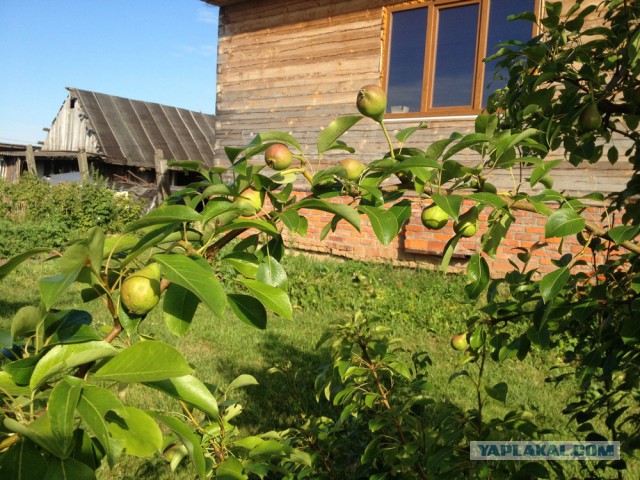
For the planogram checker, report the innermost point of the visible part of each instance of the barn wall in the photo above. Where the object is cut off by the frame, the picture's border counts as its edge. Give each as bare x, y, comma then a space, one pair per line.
70, 130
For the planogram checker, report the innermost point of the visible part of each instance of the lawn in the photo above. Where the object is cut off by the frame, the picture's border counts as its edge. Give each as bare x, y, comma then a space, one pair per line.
423, 307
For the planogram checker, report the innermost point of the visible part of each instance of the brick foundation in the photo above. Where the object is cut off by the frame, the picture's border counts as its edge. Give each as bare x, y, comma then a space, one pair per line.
418, 246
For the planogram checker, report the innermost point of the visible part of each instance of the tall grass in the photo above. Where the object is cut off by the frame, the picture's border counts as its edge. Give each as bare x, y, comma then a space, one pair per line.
424, 307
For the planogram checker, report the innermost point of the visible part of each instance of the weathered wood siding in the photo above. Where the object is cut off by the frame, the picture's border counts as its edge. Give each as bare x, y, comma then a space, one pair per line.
71, 131
295, 65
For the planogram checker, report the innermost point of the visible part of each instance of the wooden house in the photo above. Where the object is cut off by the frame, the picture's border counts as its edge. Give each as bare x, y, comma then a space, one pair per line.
295, 65
125, 137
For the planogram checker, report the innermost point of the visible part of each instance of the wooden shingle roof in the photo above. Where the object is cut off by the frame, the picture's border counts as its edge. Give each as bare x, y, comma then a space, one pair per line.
129, 131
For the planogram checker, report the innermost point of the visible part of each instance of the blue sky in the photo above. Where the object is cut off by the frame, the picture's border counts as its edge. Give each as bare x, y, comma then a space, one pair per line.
160, 51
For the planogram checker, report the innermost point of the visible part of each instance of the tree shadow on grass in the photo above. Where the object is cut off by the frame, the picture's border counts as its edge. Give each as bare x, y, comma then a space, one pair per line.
281, 397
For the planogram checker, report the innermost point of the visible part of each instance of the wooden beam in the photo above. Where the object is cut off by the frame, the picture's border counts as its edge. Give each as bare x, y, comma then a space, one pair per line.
83, 166
31, 160
162, 177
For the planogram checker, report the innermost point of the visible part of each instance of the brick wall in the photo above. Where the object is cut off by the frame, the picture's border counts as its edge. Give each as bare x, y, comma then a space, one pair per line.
418, 246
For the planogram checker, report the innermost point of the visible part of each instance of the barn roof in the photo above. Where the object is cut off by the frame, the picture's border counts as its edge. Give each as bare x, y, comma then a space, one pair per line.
129, 131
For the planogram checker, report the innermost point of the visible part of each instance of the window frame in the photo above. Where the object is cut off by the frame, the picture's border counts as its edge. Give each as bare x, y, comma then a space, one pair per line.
429, 71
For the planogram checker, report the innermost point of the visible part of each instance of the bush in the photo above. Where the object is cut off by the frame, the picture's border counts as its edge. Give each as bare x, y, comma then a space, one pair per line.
35, 213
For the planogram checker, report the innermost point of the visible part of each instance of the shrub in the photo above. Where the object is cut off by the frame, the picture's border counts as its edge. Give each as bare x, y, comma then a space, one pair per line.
35, 213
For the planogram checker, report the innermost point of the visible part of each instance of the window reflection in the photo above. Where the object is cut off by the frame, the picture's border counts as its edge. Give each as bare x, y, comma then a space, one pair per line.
501, 30
455, 56
406, 61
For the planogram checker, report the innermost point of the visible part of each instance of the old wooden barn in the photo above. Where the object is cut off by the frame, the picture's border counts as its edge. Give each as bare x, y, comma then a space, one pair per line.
122, 137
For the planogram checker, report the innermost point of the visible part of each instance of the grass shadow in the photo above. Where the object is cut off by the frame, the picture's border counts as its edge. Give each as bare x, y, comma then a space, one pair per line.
286, 388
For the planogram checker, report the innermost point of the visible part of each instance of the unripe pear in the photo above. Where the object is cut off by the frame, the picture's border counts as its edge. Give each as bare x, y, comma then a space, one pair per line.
467, 224
278, 156
140, 292
249, 202
372, 102
433, 217
590, 118
353, 167
459, 342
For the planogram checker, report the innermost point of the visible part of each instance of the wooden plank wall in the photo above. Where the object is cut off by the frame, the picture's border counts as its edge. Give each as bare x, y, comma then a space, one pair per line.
295, 65
69, 130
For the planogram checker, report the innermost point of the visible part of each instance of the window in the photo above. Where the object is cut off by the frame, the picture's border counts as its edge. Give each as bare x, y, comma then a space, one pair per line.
434, 53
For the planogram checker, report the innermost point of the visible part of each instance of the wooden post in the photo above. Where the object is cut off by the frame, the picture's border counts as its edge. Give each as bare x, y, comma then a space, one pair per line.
83, 166
162, 179
31, 160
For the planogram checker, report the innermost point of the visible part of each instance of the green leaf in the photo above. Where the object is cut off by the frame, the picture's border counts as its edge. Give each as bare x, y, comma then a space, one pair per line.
467, 141
498, 391
189, 274
552, 283
190, 440
146, 361
277, 136
564, 222
343, 211
486, 124
248, 309
23, 461
178, 308
62, 408
403, 135
447, 254
166, 214
26, 321
39, 432
241, 381
449, 203
245, 263
478, 275
260, 225
542, 170
69, 469
21, 370
230, 469
67, 356
486, 198
268, 448
619, 234
150, 240
272, 273
414, 162
69, 326
293, 221
384, 223
93, 406
137, 432
271, 297
402, 211
190, 390
15, 261
9, 387
328, 136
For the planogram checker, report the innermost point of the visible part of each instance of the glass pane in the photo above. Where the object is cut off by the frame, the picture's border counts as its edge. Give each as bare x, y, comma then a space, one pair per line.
455, 56
501, 30
406, 60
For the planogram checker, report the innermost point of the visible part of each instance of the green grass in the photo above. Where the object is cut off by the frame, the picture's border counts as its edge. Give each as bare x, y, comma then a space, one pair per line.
424, 307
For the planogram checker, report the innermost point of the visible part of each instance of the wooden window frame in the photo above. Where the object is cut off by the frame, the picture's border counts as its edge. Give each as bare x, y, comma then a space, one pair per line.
434, 7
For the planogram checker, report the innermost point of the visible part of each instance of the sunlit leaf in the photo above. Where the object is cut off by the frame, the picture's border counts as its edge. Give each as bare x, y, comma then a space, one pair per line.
146, 361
